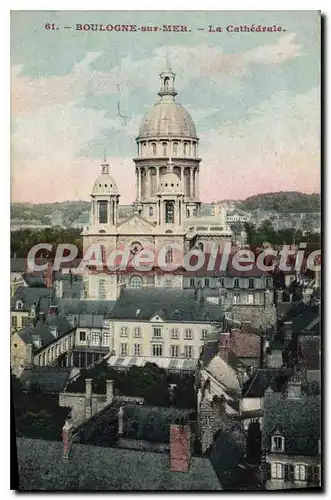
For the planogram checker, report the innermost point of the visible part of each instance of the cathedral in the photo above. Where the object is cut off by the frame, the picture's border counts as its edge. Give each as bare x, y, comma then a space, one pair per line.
166, 212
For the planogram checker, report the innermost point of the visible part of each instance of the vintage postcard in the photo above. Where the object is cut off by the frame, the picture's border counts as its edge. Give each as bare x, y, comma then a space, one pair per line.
165, 250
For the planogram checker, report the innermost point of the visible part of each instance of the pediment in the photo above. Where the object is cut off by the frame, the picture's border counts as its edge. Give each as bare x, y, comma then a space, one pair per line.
156, 319
136, 224
277, 431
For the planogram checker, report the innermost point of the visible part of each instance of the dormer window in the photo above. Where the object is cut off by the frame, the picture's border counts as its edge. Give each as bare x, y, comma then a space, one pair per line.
277, 443
19, 305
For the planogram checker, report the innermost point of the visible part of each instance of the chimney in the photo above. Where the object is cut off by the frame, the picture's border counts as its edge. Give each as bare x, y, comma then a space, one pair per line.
246, 326
261, 351
120, 420
88, 387
224, 346
279, 296
49, 276
219, 404
288, 330
294, 387
109, 391
67, 438
88, 398
180, 448
59, 288
53, 310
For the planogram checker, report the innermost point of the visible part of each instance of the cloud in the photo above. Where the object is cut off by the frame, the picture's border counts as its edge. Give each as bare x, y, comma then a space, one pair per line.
280, 52
276, 148
211, 64
277, 145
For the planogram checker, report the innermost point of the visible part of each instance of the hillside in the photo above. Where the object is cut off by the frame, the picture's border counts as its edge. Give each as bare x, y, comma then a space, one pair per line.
44, 211
284, 201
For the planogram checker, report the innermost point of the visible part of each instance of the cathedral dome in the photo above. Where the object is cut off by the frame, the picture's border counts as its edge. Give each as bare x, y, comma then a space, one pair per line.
167, 118
104, 184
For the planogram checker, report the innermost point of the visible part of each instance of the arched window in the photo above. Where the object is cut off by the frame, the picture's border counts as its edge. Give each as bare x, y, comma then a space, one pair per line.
186, 149
150, 211
200, 246
103, 211
153, 148
194, 149
169, 256
136, 282
175, 148
165, 148
102, 290
166, 83
169, 212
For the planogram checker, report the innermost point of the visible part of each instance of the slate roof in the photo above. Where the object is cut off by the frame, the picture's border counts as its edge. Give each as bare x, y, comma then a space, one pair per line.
72, 285
42, 330
76, 306
309, 351
219, 271
141, 422
299, 419
169, 303
228, 458
50, 379
305, 318
29, 296
274, 378
93, 468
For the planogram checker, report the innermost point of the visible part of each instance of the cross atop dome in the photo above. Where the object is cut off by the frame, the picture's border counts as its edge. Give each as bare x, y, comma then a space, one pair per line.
168, 66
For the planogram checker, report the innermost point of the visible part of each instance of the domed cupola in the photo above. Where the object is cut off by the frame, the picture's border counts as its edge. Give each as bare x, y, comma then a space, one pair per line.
104, 200
167, 118
170, 182
104, 184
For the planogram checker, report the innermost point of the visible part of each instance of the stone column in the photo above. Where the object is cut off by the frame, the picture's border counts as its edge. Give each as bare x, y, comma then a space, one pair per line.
148, 187
157, 178
191, 182
197, 184
139, 184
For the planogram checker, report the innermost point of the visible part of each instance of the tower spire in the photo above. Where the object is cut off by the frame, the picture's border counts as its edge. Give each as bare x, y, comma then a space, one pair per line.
105, 164
168, 66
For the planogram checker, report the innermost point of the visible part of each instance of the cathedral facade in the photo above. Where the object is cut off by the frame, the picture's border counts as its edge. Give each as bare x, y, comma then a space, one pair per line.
166, 212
